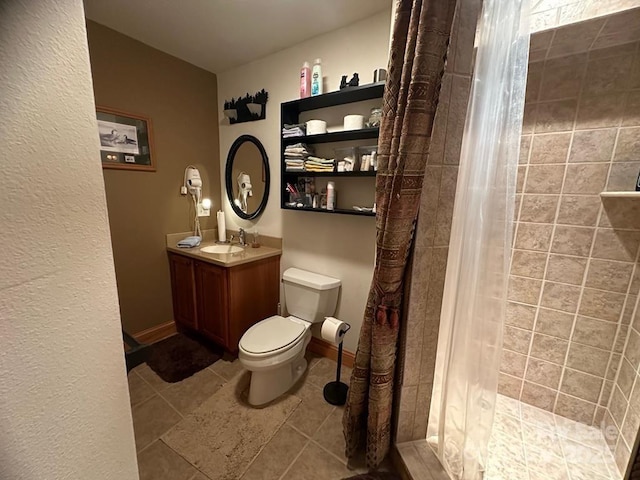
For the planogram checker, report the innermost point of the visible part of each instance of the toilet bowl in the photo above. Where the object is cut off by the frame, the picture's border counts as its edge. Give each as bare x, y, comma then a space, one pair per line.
273, 349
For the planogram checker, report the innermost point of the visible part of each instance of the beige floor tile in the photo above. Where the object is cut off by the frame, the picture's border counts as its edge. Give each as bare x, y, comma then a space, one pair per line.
227, 368
324, 371
151, 377
312, 411
330, 434
277, 455
316, 464
190, 393
139, 389
151, 419
159, 462
199, 476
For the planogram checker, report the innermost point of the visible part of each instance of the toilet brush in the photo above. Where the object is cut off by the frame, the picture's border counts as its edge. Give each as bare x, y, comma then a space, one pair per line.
335, 393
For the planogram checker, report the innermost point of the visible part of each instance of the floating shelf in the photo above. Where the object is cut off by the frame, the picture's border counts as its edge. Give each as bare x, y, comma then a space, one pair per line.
348, 135
620, 195
340, 211
340, 97
371, 173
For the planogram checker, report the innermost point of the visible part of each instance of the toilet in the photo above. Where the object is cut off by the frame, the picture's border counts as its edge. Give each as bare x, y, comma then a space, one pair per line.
273, 349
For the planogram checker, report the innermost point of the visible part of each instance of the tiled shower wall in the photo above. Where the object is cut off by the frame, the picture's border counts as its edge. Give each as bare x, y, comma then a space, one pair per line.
574, 279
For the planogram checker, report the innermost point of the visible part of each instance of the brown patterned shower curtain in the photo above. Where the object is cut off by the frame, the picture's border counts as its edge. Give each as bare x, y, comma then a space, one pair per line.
416, 65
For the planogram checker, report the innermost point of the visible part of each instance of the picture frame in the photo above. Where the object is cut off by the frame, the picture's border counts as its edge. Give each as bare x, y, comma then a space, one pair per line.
126, 140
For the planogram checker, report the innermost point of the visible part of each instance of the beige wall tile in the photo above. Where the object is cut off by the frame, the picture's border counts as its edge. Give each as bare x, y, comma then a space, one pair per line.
509, 385
557, 116
587, 359
554, 323
534, 79
606, 392
525, 146
608, 75
543, 373
628, 145
620, 213
618, 406
562, 76
539, 208
626, 377
522, 175
572, 240
592, 145
520, 315
621, 338
632, 351
524, 290
631, 116
529, 117
623, 177
533, 236
544, 179
560, 296
455, 122
600, 111
540, 40
566, 269
610, 428
538, 396
582, 385
517, 339
634, 400
549, 348
601, 304
594, 333
574, 38
579, 210
586, 178
616, 244
622, 455
609, 275
550, 148
526, 263
614, 365
630, 426
513, 363
575, 409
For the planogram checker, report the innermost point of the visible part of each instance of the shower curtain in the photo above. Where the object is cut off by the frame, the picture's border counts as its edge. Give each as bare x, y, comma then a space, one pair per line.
474, 301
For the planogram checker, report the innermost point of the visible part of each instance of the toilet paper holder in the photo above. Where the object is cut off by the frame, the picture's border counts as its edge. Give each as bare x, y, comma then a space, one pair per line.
335, 392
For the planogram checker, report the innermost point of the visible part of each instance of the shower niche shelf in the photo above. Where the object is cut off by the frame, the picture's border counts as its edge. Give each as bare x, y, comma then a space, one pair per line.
635, 195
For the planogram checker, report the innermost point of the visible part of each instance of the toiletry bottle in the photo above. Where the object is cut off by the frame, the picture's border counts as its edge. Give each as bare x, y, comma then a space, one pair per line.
316, 78
331, 196
305, 80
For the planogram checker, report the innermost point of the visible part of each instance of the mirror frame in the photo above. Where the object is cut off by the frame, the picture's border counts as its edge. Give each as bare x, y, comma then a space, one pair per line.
229, 181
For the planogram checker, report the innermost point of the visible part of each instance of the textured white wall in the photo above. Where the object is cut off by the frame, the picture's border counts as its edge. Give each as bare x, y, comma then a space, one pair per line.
64, 407
338, 245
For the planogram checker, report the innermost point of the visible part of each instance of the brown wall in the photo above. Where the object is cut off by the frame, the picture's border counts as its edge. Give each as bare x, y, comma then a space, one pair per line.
181, 101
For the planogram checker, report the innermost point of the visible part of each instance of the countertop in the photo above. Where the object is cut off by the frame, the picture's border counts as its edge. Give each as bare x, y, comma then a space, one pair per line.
248, 254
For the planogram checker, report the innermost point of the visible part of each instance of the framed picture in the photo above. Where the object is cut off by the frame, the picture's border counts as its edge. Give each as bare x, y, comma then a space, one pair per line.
125, 140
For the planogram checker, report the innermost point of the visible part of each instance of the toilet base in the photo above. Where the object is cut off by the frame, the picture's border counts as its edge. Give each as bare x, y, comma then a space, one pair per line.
267, 385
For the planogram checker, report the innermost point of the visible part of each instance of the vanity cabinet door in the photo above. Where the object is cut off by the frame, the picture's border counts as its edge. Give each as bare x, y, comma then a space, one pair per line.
211, 288
183, 288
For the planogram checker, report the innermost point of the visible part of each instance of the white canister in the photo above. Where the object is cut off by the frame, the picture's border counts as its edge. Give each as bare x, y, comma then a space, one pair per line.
354, 122
331, 196
316, 127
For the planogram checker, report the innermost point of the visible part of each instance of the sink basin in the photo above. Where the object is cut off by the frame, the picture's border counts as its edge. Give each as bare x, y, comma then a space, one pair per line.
221, 249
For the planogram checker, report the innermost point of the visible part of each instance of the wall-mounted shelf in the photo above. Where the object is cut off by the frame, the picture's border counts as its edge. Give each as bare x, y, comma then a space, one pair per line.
340, 211
342, 136
620, 195
290, 114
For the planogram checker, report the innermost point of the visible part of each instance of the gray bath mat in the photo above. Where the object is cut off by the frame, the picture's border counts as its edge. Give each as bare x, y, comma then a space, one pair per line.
222, 436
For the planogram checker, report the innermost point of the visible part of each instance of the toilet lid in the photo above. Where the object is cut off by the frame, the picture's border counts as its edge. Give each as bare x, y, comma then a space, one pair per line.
271, 334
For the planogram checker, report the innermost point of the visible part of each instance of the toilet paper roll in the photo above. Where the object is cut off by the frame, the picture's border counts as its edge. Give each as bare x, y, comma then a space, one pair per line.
354, 122
222, 229
316, 127
333, 330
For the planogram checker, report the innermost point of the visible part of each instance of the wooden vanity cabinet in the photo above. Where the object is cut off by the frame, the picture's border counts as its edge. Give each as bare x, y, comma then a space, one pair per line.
221, 303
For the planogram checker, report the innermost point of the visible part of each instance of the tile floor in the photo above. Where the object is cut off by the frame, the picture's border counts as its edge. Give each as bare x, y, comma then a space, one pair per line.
528, 443
308, 446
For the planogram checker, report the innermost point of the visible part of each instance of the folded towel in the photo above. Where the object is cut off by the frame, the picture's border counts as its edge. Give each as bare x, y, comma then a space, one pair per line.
189, 242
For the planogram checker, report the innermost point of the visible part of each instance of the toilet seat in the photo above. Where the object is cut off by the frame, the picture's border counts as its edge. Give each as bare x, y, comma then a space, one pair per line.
272, 335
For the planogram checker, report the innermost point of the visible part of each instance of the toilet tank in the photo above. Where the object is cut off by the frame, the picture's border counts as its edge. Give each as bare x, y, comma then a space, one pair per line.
310, 296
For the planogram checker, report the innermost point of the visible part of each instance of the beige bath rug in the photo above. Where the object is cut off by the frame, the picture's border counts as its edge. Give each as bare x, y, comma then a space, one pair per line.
222, 436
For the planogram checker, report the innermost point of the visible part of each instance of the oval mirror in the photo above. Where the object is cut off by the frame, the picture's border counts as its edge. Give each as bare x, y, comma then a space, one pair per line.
247, 177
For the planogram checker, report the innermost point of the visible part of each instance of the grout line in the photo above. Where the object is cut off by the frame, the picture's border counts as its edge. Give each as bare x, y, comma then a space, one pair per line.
295, 459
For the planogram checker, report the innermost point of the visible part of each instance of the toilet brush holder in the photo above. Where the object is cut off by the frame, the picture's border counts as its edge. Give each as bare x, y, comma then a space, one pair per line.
335, 393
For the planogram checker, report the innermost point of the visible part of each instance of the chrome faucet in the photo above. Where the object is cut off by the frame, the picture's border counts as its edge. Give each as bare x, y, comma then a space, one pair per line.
242, 237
